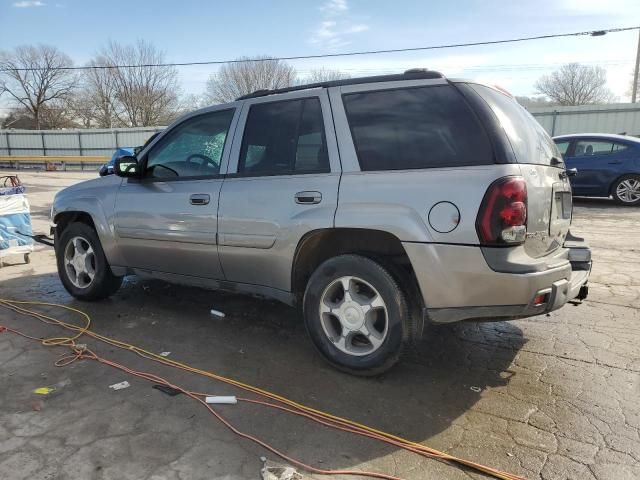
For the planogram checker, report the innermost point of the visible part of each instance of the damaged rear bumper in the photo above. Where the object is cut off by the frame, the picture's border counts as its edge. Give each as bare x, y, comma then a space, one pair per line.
457, 283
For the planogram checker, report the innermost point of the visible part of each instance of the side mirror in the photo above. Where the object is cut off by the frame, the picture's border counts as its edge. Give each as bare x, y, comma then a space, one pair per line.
127, 166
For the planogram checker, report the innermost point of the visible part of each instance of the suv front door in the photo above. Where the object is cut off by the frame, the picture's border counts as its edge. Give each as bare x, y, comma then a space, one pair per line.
282, 183
166, 221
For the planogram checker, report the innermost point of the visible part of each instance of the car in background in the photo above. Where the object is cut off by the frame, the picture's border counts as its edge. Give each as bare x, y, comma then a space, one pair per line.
607, 165
107, 168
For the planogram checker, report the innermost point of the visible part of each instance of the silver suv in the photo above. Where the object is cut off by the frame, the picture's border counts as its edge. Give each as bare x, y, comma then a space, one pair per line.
376, 204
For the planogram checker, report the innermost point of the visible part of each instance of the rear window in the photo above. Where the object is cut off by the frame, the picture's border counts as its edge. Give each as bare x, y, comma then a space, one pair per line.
529, 141
411, 128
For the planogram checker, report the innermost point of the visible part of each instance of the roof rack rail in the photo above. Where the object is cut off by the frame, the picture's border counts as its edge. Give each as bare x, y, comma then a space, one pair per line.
412, 74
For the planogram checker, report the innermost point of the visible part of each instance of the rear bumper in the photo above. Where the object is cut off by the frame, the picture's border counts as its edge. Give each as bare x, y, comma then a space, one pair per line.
457, 284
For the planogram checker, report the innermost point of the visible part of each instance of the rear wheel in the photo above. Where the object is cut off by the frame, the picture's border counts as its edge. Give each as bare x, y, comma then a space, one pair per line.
82, 266
626, 190
357, 315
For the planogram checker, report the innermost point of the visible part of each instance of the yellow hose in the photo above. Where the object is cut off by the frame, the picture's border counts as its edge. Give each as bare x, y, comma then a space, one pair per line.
85, 330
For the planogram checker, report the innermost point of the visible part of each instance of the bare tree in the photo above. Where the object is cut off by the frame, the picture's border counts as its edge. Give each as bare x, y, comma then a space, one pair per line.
97, 102
190, 102
575, 84
136, 96
324, 75
57, 114
236, 79
34, 77
84, 109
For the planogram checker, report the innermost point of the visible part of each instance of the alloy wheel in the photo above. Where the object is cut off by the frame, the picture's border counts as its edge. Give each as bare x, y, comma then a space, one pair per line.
353, 316
80, 262
628, 190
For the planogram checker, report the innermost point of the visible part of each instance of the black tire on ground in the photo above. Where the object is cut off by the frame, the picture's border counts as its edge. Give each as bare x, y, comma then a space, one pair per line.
104, 283
630, 180
400, 330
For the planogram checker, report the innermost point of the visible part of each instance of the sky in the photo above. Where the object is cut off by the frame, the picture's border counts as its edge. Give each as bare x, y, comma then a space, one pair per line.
190, 30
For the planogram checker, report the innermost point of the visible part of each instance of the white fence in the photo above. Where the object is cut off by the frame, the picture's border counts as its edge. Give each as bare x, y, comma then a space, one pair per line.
621, 118
89, 142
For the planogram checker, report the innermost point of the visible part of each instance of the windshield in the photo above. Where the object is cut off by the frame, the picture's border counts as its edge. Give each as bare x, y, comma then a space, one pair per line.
529, 141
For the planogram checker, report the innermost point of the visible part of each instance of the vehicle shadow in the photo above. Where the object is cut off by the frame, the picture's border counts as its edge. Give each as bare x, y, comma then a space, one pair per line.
264, 343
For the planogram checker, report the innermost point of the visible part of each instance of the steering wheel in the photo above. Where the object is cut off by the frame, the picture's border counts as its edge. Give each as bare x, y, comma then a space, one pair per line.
159, 165
206, 161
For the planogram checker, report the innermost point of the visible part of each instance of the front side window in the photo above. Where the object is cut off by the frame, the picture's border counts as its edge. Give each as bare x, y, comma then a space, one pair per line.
192, 149
587, 148
284, 138
410, 128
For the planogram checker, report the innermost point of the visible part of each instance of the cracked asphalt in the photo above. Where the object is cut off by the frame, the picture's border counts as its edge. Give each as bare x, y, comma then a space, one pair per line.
550, 397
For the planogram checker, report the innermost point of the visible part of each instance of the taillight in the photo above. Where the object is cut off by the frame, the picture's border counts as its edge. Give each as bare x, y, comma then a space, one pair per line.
502, 219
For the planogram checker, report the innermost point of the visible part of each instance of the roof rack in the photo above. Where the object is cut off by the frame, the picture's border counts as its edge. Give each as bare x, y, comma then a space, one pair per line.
413, 74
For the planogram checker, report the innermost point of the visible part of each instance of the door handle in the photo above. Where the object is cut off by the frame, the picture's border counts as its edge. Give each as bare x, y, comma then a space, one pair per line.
614, 163
199, 199
308, 198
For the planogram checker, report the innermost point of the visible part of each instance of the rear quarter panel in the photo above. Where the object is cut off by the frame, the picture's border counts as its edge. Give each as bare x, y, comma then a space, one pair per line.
399, 201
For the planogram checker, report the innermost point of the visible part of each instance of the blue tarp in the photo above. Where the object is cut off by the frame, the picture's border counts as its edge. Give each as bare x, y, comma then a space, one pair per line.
10, 225
11, 190
15, 221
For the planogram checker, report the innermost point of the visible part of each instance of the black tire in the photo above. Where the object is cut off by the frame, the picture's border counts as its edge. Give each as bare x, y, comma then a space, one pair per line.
104, 283
400, 330
615, 193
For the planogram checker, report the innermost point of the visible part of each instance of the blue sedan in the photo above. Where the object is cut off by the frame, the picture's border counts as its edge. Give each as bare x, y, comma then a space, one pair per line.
607, 165
107, 168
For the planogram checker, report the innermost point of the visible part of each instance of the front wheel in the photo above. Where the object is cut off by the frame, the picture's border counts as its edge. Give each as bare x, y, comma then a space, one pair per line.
357, 315
626, 191
82, 265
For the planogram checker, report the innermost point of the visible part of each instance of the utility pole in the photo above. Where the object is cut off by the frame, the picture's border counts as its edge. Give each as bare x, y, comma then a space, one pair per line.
634, 87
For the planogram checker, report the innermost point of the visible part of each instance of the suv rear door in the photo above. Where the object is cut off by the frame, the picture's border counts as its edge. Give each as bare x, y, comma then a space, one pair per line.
548, 189
283, 182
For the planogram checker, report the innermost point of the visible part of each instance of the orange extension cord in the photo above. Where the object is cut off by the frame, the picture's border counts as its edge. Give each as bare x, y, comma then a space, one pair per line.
283, 404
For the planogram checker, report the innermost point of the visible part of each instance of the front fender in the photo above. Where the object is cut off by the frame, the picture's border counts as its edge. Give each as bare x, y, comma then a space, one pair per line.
98, 202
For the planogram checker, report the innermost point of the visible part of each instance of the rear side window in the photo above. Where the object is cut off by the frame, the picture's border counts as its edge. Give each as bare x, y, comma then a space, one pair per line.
529, 141
283, 138
586, 148
410, 128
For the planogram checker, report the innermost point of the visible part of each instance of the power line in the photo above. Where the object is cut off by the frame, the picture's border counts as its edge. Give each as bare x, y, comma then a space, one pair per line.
490, 68
593, 33
510, 68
